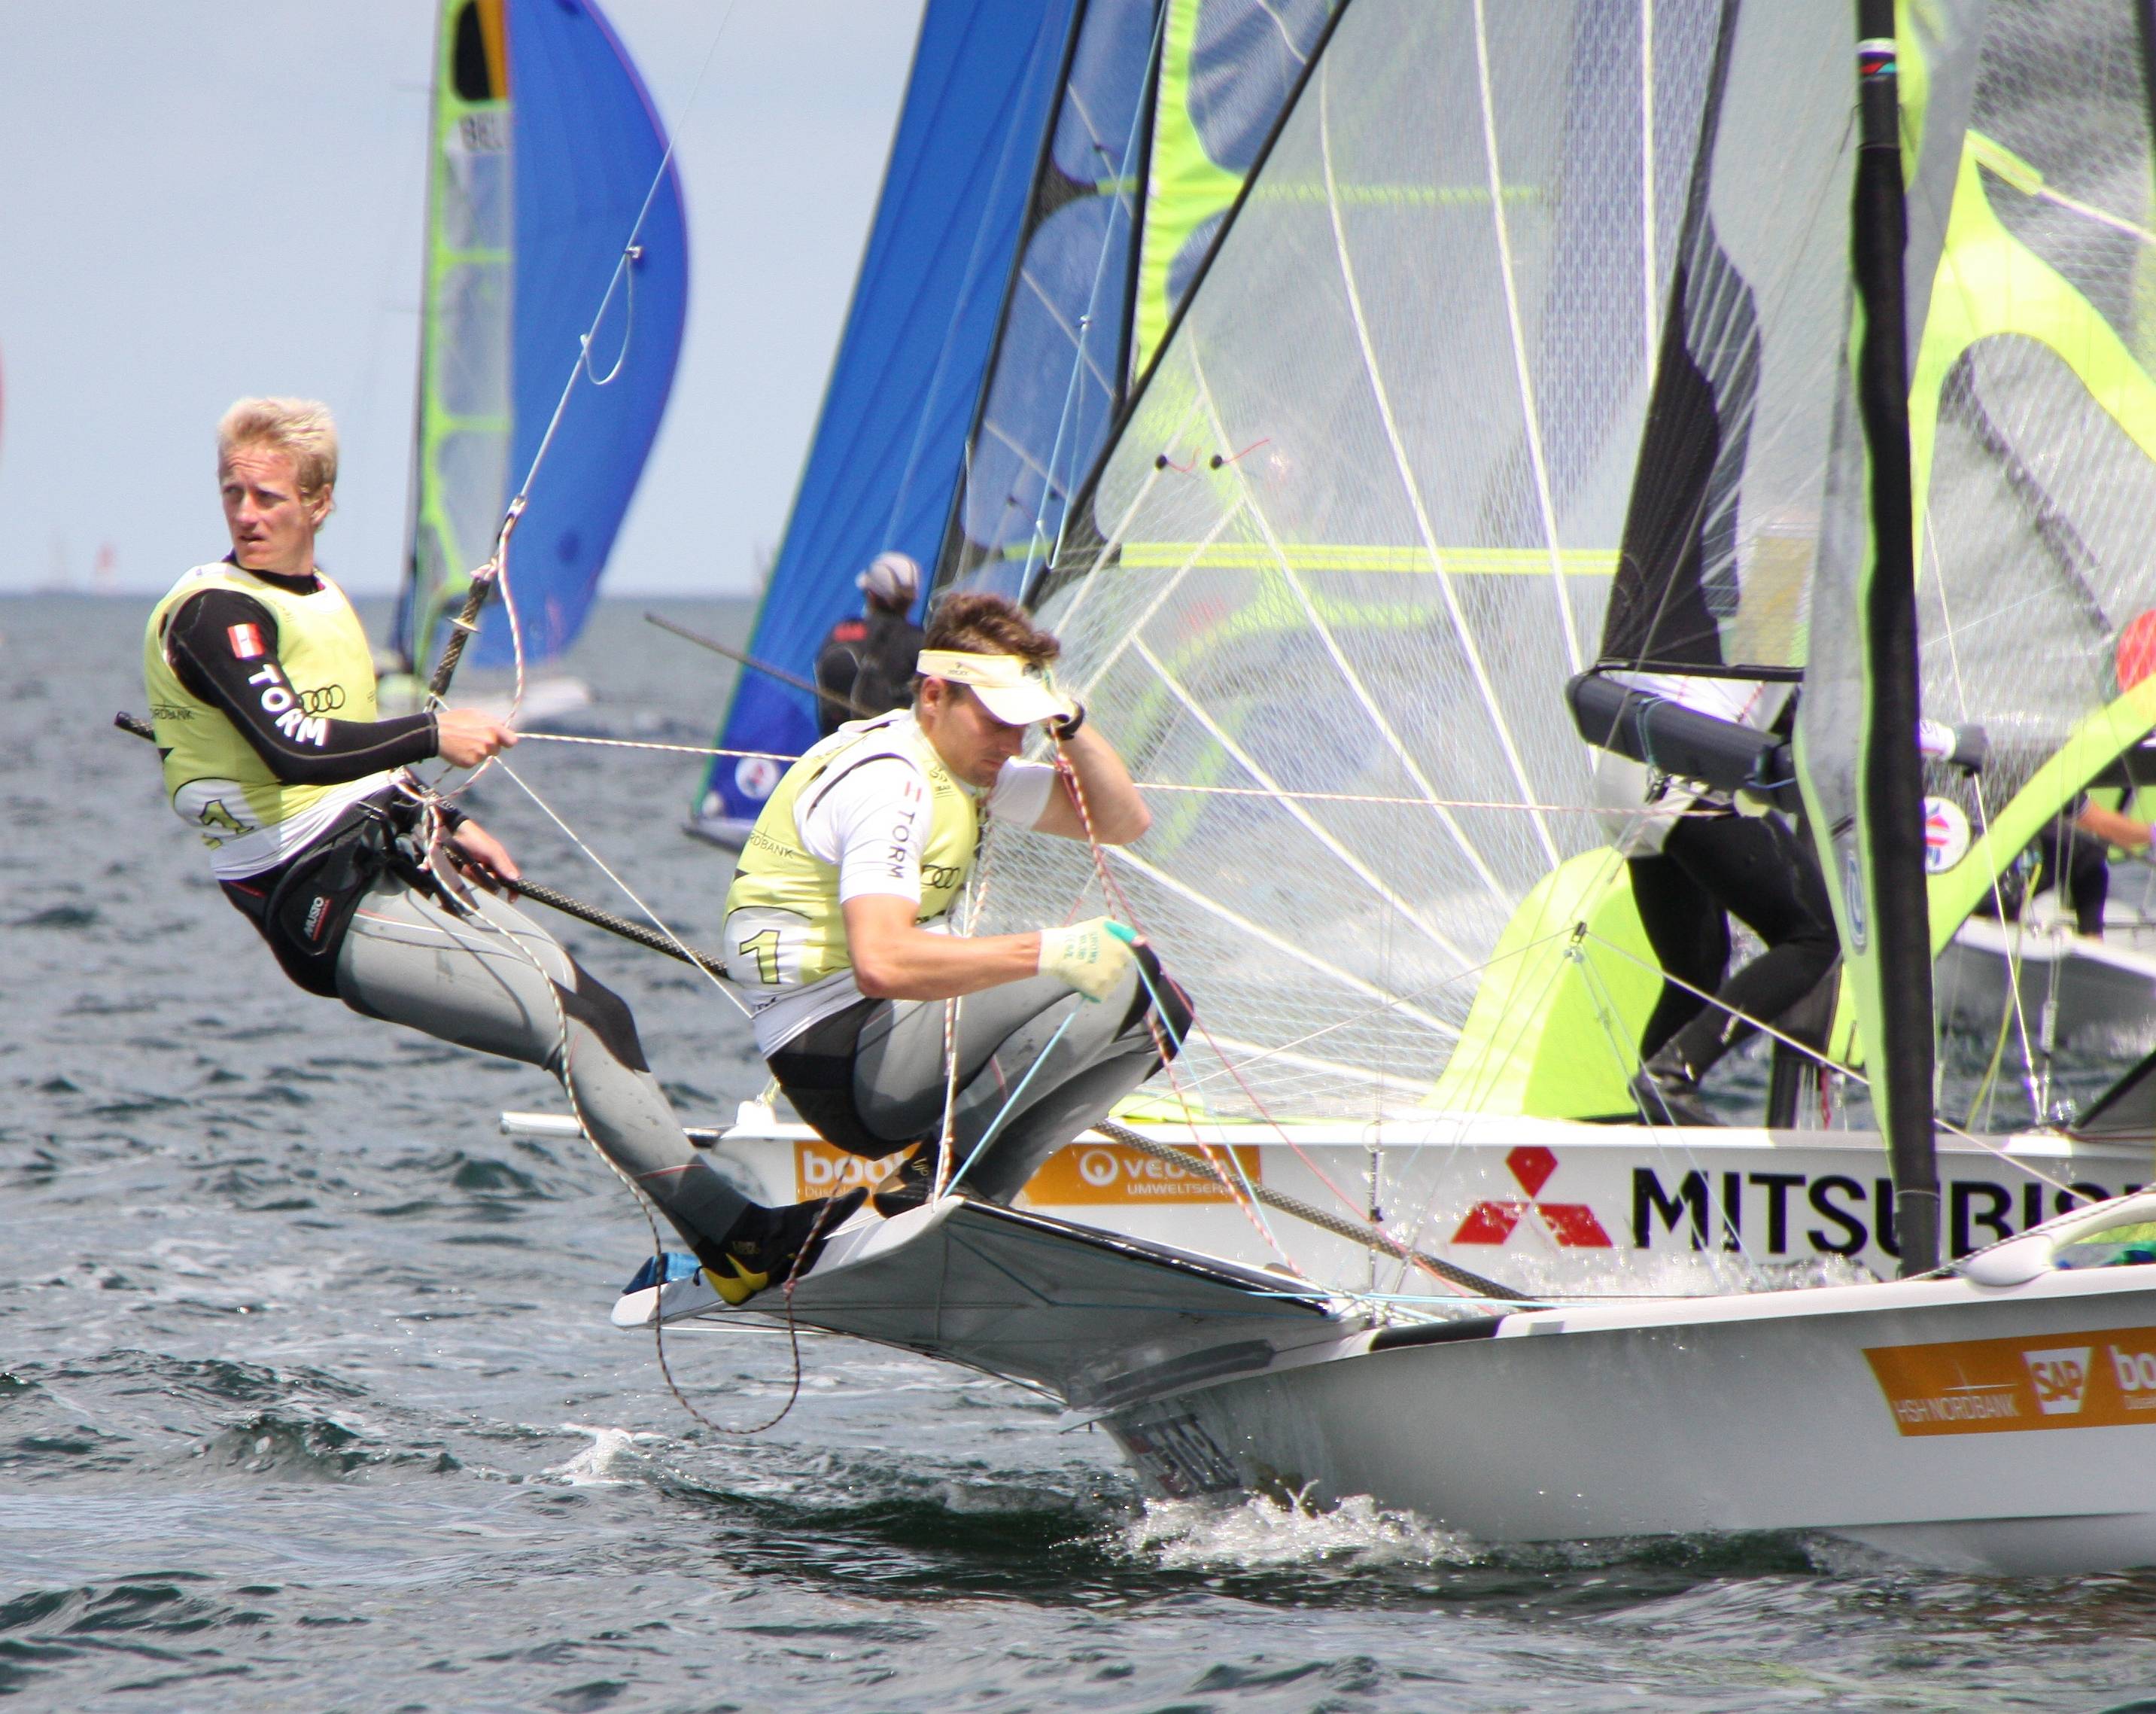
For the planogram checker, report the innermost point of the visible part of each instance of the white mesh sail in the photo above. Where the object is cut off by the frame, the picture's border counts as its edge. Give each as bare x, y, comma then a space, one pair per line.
1359, 528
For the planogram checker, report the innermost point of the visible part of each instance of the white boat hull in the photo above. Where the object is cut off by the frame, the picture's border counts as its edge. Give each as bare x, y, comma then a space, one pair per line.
1886, 1413
2104, 991
2002, 1417
1549, 1206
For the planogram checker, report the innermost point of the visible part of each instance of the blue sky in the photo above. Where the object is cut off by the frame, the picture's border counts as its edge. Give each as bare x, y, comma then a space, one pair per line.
203, 199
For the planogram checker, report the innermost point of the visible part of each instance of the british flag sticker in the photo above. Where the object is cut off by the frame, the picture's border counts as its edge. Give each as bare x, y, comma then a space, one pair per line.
246, 642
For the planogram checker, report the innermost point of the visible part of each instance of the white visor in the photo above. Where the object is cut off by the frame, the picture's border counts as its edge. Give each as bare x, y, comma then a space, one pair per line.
1016, 694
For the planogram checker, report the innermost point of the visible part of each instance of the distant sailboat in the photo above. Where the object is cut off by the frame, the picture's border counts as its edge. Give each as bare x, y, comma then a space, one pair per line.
545, 150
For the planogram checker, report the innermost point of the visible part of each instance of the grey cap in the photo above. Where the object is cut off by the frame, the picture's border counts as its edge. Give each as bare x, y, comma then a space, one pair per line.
893, 578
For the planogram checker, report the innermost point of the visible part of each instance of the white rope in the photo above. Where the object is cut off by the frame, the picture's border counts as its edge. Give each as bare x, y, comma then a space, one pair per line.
639, 743
688, 953
1529, 412
1424, 527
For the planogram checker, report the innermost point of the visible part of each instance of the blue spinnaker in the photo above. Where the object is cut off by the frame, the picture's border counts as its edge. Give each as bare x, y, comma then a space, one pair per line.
587, 147
890, 442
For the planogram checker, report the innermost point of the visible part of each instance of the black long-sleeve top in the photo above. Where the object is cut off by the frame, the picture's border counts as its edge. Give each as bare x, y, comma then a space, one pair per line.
300, 749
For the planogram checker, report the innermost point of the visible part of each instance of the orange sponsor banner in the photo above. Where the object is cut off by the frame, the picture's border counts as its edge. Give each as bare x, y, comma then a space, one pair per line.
821, 1170
2002, 1386
1111, 1172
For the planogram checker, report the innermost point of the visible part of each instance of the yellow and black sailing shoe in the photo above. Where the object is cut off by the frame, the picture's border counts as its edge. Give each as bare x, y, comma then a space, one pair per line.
770, 1246
910, 1184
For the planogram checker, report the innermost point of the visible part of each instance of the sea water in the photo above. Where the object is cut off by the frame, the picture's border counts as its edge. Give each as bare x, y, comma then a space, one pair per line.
308, 1399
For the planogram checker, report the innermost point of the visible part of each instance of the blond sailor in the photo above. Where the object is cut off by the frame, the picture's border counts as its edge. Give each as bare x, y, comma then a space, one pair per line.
262, 695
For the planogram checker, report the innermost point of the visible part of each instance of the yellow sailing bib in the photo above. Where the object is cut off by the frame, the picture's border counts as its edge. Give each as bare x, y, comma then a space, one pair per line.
784, 928
217, 784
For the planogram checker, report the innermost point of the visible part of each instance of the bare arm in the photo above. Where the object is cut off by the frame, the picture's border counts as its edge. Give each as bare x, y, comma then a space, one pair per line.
2114, 828
1119, 813
893, 960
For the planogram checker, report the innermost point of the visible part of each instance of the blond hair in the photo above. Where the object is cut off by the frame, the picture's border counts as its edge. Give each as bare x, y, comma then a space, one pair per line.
301, 428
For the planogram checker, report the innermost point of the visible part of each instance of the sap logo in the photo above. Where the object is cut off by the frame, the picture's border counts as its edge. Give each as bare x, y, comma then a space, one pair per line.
2061, 1378
2135, 1371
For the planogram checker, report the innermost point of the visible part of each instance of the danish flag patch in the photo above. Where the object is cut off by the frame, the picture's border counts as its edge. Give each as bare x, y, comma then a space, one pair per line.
246, 642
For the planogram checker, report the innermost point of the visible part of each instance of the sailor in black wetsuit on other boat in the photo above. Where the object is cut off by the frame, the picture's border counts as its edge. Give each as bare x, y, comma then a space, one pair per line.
865, 665
1690, 768
262, 696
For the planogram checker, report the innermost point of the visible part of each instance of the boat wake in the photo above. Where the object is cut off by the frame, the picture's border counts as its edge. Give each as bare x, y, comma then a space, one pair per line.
1261, 1532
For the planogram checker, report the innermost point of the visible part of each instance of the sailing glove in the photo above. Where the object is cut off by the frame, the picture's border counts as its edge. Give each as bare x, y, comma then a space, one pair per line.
1090, 956
1963, 746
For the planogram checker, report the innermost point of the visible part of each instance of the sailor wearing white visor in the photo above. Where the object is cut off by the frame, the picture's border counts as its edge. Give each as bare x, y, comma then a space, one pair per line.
835, 928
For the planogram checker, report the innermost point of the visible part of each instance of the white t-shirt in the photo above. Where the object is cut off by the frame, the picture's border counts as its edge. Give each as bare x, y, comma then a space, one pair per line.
872, 823
1635, 826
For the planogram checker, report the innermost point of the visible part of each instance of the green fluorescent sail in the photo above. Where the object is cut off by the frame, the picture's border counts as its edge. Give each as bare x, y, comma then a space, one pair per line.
1224, 66
462, 445
2033, 629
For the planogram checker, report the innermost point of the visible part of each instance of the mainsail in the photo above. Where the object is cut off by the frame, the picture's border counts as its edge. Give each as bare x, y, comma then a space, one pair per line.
1358, 527
546, 157
1167, 104
889, 441
1125, 140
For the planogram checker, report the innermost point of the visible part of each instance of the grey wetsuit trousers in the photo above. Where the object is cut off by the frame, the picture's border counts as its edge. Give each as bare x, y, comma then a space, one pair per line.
498, 982
1023, 1089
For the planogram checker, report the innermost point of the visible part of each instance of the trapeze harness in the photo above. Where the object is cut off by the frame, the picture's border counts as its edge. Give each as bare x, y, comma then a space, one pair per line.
870, 1075
263, 695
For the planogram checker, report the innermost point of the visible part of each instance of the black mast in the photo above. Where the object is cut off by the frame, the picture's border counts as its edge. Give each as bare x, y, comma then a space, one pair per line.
1891, 780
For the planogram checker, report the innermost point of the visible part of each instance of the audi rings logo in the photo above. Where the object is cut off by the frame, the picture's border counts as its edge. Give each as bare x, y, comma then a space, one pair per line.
1098, 1167
323, 699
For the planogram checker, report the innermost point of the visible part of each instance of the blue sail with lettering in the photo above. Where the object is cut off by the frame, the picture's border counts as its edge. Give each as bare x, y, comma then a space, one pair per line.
889, 441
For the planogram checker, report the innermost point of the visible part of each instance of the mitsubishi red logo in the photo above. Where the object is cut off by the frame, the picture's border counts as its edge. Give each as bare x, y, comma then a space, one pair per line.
1571, 1224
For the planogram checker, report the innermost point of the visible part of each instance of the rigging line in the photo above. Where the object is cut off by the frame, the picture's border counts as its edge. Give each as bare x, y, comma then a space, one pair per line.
688, 953
1362, 871
640, 743
1156, 1016
2000, 1149
1475, 858
1253, 1052
1248, 1196
1082, 361
1605, 1009
1530, 413
1244, 925
1248, 1054
1011, 1100
1366, 797
2018, 1011
630, 250
637, 1193
1130, 632
1650, 307
1468, 645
